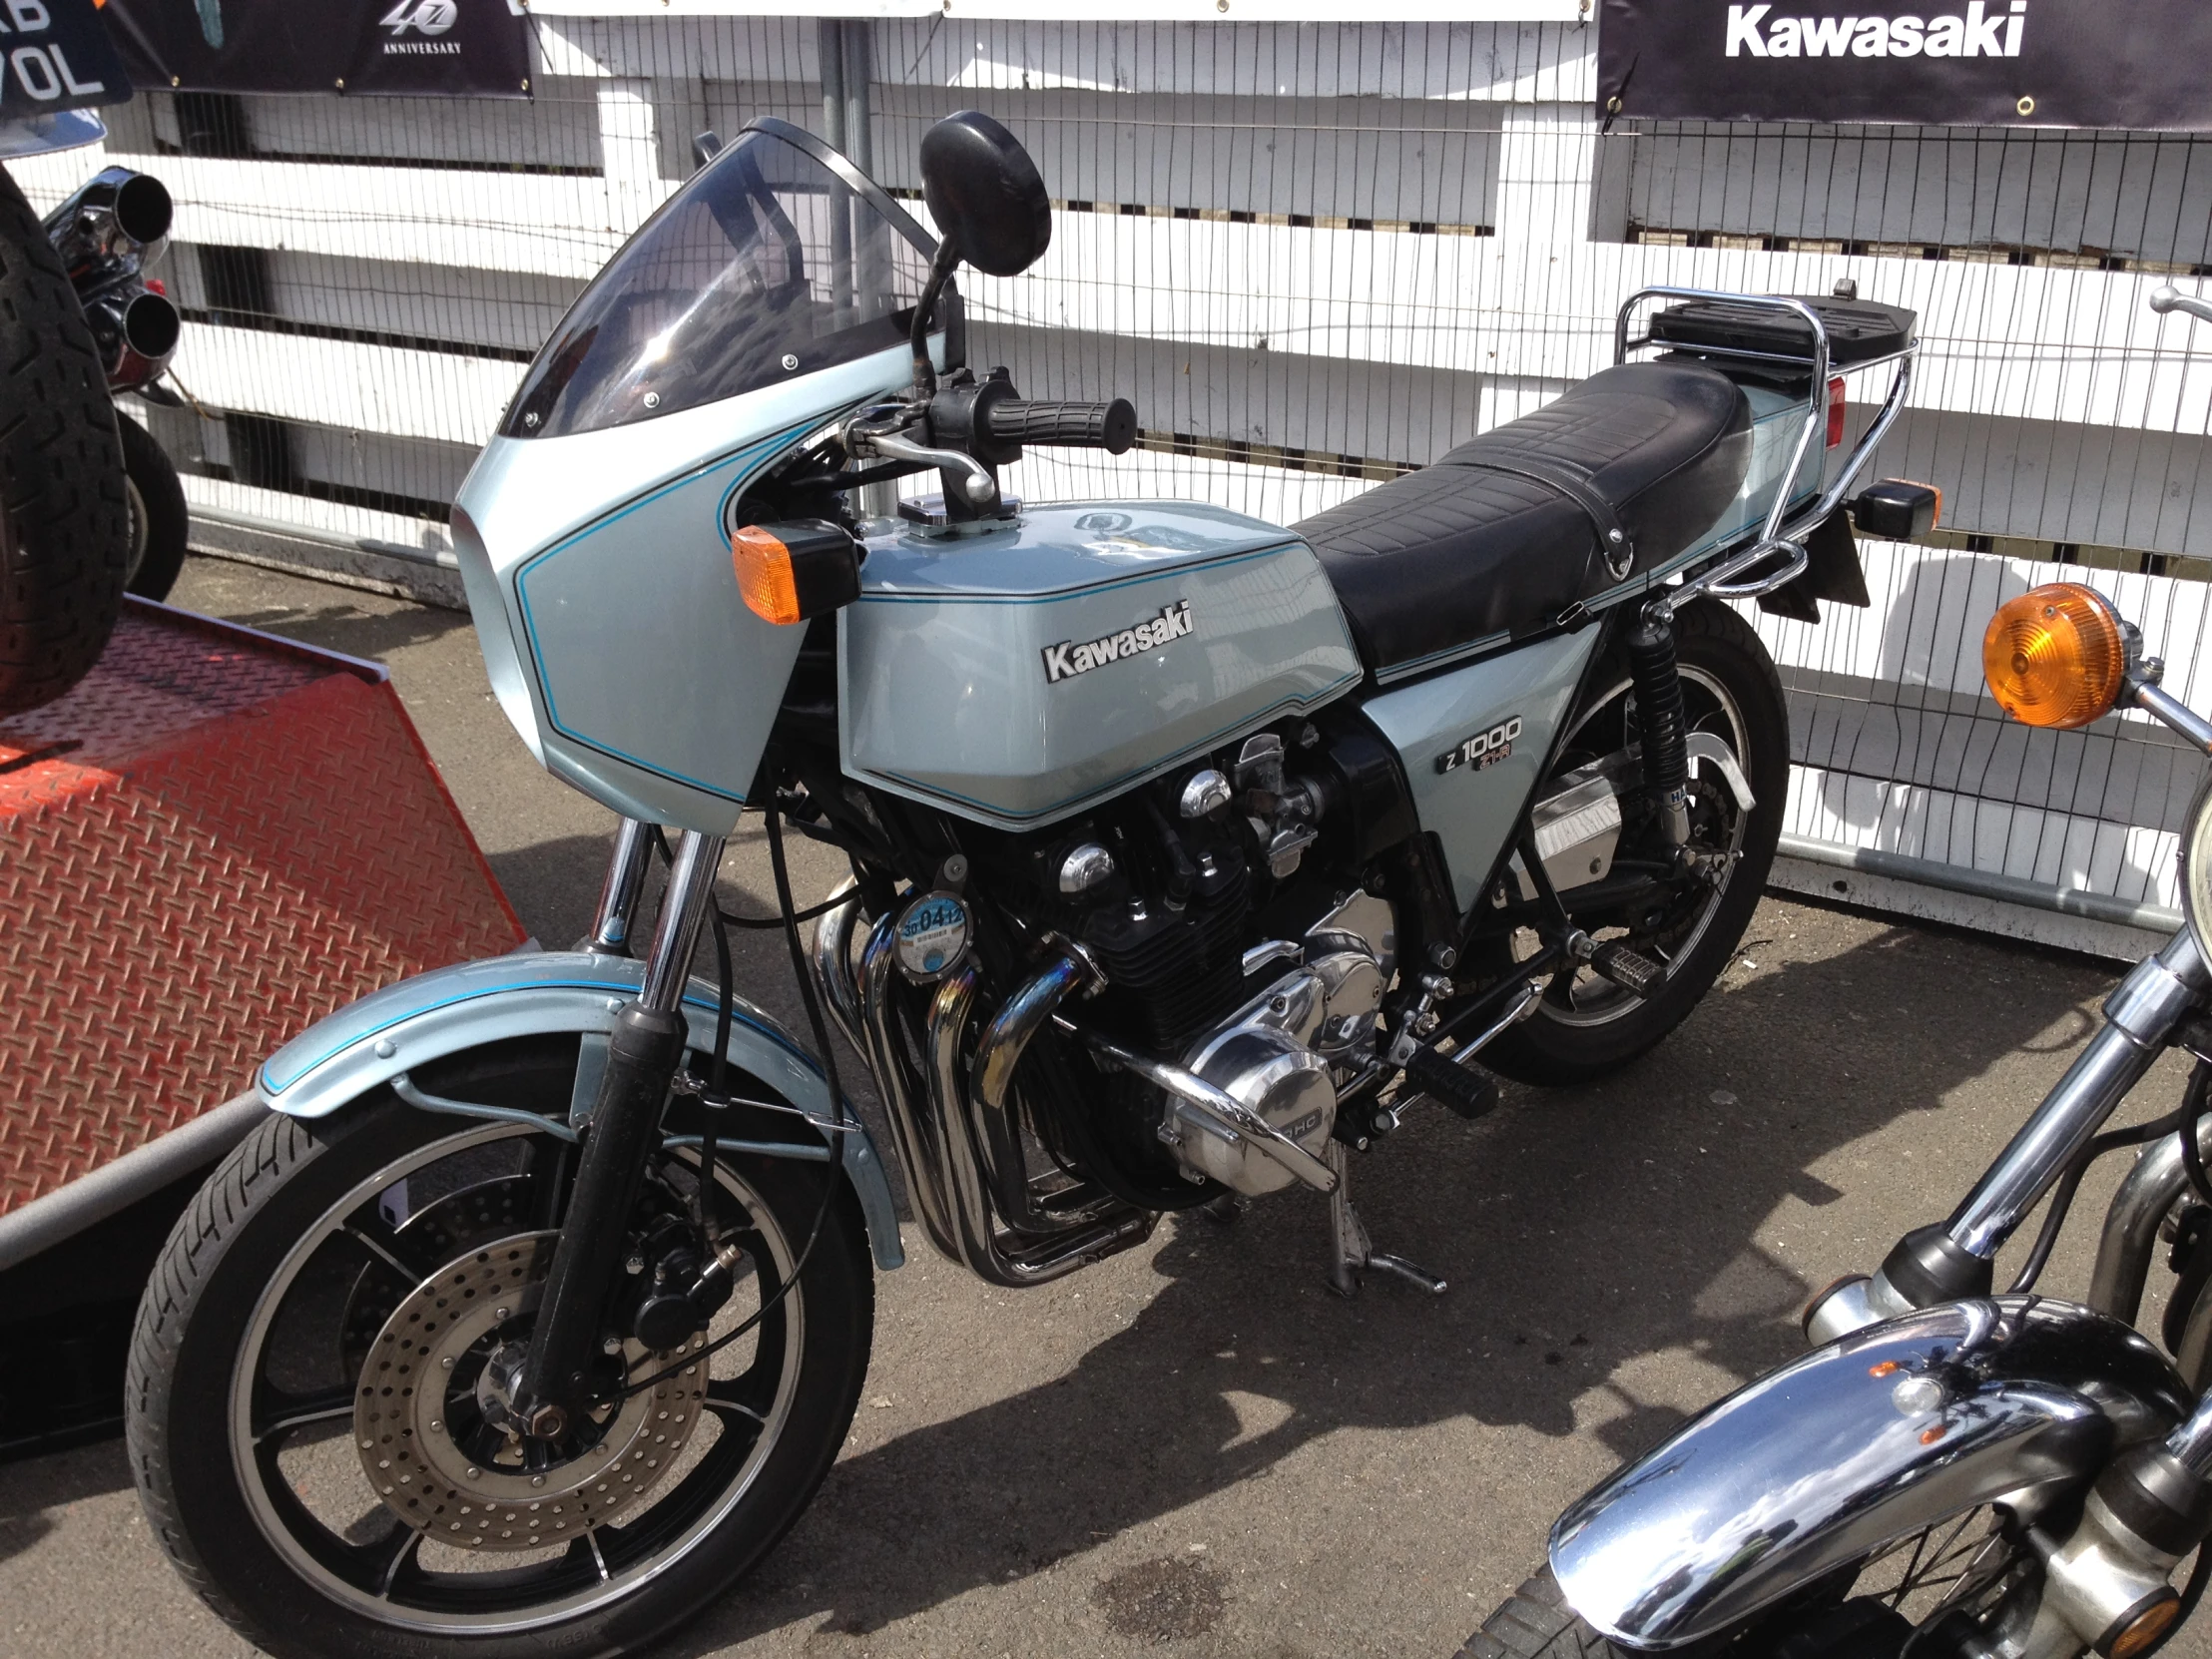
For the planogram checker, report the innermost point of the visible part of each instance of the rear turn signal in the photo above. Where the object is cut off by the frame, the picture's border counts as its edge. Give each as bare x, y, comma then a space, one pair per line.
1835, 411
794, 572
1898, 509
2055, 656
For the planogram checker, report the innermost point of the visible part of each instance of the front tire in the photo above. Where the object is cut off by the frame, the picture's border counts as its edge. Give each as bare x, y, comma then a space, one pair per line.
259, 1338
1585, 1027
1535, 1622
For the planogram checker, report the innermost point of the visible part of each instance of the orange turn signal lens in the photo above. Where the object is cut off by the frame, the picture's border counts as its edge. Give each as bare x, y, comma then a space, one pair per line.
765, 575
2055, 656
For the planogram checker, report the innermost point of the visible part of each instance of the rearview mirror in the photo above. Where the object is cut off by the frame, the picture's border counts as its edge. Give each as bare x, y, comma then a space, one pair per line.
985, 194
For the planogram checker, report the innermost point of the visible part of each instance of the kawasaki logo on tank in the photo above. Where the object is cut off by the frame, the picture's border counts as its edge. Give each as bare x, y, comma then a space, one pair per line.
1070, 657
2121, 64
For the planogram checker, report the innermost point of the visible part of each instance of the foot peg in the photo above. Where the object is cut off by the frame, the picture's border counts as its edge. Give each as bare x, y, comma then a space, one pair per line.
1634, 973
1354, 1252
1457, 1088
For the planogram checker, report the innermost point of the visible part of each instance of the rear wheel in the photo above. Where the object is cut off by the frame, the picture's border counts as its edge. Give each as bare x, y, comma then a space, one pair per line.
1587, 1026
315, 1390
64, 521
160, 523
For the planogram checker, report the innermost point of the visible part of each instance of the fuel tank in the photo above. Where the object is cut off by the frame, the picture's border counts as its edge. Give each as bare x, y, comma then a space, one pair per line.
1025, 673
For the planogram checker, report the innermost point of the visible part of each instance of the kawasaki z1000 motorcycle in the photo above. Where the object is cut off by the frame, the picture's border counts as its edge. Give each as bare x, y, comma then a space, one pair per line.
1187, 852
1952, 1472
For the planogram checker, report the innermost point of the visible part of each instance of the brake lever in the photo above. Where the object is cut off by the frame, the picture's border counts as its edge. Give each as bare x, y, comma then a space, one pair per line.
981, 488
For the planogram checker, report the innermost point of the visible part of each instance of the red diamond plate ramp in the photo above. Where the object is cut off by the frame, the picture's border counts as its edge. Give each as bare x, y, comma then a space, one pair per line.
214, 841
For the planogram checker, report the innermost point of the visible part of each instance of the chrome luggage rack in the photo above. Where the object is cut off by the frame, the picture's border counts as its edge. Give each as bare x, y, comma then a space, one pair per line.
1731, 574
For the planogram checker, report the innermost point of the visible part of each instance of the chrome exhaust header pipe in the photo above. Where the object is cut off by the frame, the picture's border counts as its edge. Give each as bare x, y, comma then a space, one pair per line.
946, 1142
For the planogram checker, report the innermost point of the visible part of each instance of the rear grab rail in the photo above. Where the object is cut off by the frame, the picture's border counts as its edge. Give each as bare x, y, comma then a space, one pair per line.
1779, 537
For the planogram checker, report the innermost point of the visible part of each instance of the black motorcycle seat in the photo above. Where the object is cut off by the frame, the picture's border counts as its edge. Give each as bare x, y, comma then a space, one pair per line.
1459, 552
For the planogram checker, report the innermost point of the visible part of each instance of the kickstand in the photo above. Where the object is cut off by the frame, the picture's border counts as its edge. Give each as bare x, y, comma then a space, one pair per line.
1352, 1251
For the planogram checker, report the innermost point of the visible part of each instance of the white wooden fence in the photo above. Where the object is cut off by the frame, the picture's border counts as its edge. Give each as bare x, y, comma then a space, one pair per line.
1314, 252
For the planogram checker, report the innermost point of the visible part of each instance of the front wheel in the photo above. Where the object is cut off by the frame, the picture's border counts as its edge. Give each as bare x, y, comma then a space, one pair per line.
314, 1396
1586, 1026
1535, 1622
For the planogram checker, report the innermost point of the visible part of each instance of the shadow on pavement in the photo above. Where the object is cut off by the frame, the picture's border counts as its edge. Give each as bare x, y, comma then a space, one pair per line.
1579, 1232
354, 632
29, 1489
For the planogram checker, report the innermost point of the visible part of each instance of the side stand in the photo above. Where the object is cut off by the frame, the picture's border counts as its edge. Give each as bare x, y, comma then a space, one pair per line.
1354, 1252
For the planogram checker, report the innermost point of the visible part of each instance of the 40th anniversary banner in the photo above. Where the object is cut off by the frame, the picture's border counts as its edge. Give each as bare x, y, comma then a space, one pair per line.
2130, 64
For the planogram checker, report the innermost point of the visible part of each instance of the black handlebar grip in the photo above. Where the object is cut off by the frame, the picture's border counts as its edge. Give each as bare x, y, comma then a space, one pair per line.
1108, 427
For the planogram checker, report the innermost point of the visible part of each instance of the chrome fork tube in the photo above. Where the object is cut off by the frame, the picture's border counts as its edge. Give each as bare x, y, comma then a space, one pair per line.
2191, 1441
644, 1051
2141, 1016
618, 894
2131, 1241
691, 889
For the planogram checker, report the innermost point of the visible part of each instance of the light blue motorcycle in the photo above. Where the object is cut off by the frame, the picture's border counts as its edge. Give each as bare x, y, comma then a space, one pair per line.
1188, 852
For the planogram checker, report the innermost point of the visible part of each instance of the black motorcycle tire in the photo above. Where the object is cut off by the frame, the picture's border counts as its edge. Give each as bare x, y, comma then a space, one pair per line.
1547, 1052
160, 523
1535, 1622
64, 519
226, 1247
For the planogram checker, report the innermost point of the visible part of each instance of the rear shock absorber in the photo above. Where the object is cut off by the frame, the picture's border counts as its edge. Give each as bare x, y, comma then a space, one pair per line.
1664, 725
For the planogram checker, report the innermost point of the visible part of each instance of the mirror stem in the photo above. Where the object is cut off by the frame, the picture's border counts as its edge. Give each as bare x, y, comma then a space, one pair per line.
941, 273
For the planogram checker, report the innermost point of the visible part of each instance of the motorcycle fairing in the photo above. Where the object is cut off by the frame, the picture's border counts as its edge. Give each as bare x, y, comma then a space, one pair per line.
1023, 674
772, 292
1879, 1436
364, 1046
597, 567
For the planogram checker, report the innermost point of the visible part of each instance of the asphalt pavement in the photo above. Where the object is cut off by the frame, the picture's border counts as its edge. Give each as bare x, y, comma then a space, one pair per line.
1194, 1449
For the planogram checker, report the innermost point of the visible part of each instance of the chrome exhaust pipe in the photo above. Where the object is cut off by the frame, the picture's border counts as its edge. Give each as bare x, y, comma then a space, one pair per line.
114, 213
937, 1124
832, 964
137, 332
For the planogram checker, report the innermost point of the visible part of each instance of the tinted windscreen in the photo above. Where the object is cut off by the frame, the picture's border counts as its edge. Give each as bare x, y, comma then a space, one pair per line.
763, 267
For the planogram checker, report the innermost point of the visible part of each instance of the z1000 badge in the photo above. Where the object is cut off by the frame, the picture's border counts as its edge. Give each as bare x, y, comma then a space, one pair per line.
1484, 748
1072, 657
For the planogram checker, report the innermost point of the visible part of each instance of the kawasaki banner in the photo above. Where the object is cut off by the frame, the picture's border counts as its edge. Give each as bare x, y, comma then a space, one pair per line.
2139, 64
365, 46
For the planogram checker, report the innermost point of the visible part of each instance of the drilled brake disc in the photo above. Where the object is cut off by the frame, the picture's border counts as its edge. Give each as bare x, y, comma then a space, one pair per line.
417, 1405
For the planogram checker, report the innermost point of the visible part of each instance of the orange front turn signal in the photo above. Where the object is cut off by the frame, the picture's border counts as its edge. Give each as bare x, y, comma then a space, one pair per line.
764, 577
2056, 656
789, 573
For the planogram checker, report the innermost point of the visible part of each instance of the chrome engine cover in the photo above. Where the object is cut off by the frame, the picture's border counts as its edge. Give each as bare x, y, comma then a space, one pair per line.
1262, 1055
1278, 1054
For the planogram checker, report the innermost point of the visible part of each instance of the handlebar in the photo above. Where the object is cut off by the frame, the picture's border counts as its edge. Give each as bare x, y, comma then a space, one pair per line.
2170, 299
1108, 427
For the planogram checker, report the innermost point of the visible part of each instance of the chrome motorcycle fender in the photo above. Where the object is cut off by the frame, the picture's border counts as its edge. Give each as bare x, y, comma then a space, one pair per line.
374, 1041
1885, 1432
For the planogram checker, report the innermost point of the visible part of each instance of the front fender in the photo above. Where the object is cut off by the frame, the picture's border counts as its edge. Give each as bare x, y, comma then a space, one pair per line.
366, 1044
1873, 1438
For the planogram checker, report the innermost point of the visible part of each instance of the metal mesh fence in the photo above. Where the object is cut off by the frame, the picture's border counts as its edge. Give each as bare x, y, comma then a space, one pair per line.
1315, 255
